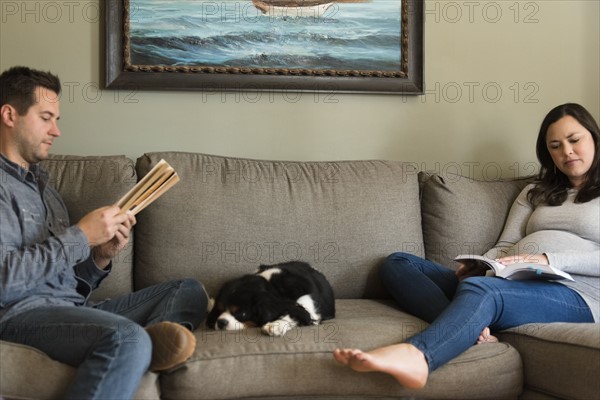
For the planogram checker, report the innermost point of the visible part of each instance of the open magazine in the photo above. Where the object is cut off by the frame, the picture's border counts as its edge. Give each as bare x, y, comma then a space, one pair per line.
518, 270
153, 185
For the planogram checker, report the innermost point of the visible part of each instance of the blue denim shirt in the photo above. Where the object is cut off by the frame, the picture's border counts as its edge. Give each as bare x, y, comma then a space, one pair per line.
45, 261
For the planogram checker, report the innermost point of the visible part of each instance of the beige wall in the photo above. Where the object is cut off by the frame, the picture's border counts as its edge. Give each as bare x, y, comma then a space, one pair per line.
537, 53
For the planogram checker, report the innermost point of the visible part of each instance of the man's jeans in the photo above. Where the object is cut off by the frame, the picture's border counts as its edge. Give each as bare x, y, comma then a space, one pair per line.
459, 311
107, 342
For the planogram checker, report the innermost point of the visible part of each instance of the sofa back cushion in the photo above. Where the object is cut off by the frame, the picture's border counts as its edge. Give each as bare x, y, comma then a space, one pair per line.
229, 215
87, 183
462, 215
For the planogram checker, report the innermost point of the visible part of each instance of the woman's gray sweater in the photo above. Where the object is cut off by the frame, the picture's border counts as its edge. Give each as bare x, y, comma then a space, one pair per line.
568, 234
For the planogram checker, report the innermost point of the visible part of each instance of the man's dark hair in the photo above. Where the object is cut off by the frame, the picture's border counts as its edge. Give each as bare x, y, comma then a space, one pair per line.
18, 85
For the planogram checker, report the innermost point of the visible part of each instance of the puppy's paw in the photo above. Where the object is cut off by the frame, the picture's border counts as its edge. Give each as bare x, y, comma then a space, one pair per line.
279, 327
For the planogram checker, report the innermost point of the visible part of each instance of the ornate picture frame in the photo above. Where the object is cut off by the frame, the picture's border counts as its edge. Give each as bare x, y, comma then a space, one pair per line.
129, 65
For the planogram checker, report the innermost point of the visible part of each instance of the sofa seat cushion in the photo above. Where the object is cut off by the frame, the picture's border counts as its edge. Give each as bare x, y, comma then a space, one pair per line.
229, 215
33, 375
569, 353
300, 364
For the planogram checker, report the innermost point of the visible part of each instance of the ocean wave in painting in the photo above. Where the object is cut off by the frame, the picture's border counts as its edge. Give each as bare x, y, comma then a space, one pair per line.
364, 36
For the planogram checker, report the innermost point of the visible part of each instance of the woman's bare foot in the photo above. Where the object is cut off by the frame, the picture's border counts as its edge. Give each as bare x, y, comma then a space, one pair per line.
403, 361
486, 337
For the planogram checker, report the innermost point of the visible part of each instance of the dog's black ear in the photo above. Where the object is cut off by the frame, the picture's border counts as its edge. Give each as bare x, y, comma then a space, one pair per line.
212, 316
217, 309
265, 315
265, 308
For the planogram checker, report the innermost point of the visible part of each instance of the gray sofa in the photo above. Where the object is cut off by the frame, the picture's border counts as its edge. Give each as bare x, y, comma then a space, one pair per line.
228, 215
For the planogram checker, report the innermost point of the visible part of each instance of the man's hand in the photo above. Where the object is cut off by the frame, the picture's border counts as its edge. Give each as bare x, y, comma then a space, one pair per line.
470, 268
107, 230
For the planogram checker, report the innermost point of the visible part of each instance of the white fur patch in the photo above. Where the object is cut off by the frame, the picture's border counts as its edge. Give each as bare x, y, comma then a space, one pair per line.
268, 273
279, 327
308, 304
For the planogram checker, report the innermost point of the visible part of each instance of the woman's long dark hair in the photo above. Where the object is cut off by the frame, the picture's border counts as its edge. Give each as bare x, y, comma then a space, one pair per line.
552, 185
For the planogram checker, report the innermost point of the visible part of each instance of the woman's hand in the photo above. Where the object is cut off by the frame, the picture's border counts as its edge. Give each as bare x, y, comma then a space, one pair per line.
470, 268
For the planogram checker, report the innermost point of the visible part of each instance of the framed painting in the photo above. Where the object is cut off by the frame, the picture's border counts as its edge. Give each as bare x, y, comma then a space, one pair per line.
353, 46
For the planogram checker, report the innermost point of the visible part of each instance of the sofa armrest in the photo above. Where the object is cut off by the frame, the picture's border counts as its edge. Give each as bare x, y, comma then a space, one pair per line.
560, 359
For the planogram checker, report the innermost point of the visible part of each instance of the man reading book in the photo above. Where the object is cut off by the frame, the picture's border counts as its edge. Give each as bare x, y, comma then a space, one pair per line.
44, 294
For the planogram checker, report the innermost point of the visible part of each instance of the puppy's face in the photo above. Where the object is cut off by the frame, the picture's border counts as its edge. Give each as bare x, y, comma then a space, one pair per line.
241, 303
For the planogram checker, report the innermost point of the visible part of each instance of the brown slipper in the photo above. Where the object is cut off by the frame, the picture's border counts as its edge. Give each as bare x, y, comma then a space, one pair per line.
172, 344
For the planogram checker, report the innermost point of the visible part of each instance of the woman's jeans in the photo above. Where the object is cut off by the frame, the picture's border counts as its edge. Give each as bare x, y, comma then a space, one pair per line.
459, 311
107, 342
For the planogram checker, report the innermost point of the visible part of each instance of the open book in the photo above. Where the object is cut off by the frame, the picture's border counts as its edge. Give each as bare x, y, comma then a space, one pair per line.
153, 185
519, 270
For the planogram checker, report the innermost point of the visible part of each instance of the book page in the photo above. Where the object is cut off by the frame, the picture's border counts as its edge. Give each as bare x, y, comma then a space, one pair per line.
155, 183
492, 264
519, 270
139, 187
534, 271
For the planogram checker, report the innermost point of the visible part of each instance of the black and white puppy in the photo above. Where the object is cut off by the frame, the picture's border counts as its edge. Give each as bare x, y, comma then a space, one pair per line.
275, 298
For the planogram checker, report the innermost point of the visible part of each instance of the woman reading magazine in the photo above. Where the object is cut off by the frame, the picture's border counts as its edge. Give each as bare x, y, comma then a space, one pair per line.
559, 213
